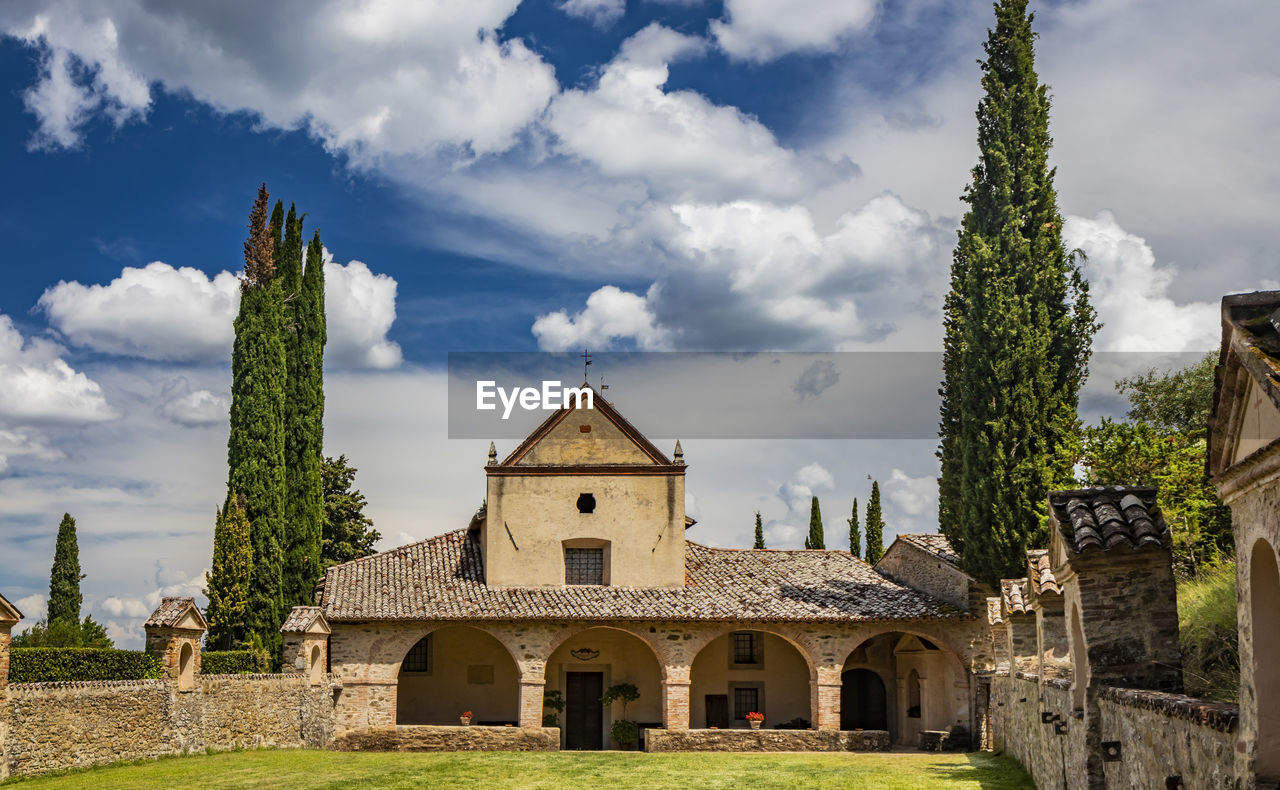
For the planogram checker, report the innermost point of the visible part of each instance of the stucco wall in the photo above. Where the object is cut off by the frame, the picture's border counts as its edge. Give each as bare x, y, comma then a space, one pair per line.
441, 696
783, 679
63, 725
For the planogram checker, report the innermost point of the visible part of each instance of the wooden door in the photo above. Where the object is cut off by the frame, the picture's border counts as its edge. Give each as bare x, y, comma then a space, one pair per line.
583, 713
718, 711
862, 701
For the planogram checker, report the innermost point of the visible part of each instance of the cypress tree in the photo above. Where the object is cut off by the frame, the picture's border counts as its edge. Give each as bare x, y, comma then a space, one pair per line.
815, 540
875, 525
227, 583
64, 578
255, 446
1018, 324
855, 538
348, 532
759, 542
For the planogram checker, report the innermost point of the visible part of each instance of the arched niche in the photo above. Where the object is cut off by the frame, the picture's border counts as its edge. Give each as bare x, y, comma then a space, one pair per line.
925, 686
455, 669
186, 667
749, 669
315, 665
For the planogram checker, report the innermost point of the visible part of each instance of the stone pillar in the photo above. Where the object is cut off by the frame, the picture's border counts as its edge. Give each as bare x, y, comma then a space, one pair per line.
826, 698
676, 692
173, 633
305, 645
4, 653
531, 694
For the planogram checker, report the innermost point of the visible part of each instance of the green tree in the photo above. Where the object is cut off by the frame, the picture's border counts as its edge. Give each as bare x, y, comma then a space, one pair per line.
303, 329
227, 582
65, 577
1178, 400
65, 633
255, 446
875, 525
348, 533
855, 538
814, 540
1018, 324
759, 541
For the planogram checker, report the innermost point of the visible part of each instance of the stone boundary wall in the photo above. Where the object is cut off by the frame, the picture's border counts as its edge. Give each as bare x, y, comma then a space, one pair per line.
433, 738
1161, 736
766, 740
50, 726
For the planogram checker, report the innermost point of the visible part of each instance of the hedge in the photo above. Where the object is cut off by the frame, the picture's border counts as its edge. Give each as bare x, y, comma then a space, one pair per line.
234, 662
50, 664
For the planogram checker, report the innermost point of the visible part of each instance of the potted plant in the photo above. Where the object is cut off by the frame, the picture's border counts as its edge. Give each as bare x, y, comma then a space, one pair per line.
553, 699
755, 719
623, 731
465, 718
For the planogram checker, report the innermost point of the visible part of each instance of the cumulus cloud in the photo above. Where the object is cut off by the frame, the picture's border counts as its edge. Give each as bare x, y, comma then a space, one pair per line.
161, 313
37, 386
601, 13
763, 30
797, 493
816, 379
611, 315
193, 408
442, 76
23, 443
1130, 292
912, 496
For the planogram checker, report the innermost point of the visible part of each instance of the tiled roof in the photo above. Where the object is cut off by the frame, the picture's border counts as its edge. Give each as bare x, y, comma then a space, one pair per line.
1250, 340
170, 612
8, 612
300, 619
993, 611
1040, 572
933, 543
1093, 519
443, 579
1014, 592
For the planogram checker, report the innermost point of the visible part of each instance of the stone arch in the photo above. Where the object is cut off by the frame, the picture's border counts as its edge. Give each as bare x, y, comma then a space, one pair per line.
315, 665
186, 667
802, 645
583, 662
864, 699
781, 680
1078, 653
1264, 610
455, 667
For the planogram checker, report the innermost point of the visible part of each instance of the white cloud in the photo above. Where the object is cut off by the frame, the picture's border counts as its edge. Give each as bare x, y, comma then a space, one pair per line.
32, 608
797, 494
127, 607
762, 30
913, 496
601, 13
1130, 292
181, 315
369, 78
611, 314
37, 386
196, 409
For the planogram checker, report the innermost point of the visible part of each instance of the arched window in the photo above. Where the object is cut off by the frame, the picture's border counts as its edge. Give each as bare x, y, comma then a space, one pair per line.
317, 670
186, 668
1264, 606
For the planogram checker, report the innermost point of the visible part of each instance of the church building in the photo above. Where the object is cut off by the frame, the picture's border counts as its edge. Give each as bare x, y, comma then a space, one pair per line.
580, 573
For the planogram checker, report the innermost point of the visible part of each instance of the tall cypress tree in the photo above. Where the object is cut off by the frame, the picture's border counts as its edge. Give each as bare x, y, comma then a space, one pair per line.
855, 538
229, 578
875, 525
255, 447
1018, 323
759, 541
64, 578
815, 540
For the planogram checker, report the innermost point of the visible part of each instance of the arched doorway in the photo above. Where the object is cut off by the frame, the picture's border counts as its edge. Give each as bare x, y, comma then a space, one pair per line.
1264, 609
457, 669
863, 703
582, 668
743, 672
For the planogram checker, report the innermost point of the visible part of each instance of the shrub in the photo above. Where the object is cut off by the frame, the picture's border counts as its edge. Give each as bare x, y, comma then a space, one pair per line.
234, 662
1207, 633
55, 664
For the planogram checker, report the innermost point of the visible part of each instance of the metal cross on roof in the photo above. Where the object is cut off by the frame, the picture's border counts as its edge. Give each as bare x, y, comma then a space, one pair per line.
586, 363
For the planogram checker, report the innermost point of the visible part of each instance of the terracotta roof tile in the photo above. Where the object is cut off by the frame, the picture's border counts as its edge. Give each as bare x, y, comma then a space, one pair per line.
169, 613
443, 579
935, 544
300, 619
1014, 593
994, 617
1040, 573
1092, 519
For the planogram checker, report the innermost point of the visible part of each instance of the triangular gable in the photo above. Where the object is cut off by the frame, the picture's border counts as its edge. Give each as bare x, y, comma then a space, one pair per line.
192, 620
1246, 408
8, 612
599, 436
306, 620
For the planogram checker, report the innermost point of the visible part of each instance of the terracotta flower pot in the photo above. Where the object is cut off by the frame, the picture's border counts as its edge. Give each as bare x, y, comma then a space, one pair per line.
755, 725
466, 720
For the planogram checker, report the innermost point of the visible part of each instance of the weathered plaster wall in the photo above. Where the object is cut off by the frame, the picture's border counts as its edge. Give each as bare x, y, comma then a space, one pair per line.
441, 696
62, 725
783, 680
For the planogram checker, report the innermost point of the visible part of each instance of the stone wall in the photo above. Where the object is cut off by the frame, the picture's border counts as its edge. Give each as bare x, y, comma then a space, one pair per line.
1162, 737
62, 725
766, 741
432, 738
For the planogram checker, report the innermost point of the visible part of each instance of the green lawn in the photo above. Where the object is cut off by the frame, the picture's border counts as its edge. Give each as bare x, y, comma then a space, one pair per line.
553, 771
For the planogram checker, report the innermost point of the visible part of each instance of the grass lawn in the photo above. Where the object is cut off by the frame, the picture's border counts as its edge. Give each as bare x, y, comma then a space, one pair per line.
553, 771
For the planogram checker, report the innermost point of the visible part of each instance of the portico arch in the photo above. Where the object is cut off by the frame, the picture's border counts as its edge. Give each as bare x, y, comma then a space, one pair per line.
454, 669
1264, 610
748, 668
926, 687
586, 663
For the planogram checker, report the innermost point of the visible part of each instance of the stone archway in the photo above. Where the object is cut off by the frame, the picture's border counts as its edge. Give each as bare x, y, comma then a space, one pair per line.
743, 670
926, 686
455, 669
1264, 609
583, 666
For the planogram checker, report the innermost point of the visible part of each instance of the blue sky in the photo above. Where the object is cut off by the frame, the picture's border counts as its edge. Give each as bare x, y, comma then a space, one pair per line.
518, 176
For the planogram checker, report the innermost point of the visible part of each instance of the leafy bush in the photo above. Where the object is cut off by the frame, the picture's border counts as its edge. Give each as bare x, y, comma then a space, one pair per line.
625, 732
64, 633
1207, 632
49, 664
234, 662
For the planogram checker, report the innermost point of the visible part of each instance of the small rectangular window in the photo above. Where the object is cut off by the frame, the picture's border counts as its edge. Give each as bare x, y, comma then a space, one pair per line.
746, 648
583, 566
745, 700
419, 657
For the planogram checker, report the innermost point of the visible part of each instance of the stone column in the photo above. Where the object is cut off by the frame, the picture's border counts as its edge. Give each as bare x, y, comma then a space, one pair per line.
533, 685
826, 698
675, 697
